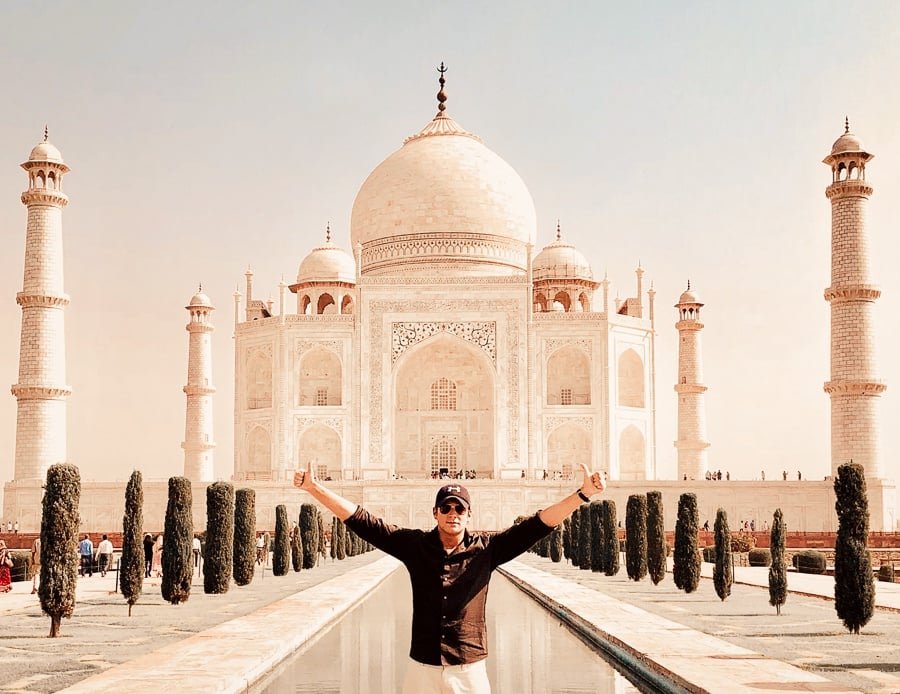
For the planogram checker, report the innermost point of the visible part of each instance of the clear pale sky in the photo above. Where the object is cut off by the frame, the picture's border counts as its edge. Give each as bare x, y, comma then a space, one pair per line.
204, 137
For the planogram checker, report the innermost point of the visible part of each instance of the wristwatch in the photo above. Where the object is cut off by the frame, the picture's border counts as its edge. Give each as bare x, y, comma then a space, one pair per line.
585, 499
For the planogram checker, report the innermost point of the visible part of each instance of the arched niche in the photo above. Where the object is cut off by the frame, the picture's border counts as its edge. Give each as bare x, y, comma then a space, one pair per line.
568, 377
632, 454
320, 381
418, 426
325, 304
567, 446
631, 379
259, 381
320, 445
259, 452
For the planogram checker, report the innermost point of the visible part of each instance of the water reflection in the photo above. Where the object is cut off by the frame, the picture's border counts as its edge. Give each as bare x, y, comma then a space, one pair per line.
367, 651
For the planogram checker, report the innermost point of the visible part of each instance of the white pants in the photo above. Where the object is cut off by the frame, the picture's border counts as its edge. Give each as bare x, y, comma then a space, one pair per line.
446, 679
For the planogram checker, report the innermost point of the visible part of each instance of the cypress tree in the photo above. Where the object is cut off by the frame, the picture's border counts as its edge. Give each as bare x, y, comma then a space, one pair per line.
854, 584
567, 537
556, 544
219, 556
244, 556
636, 537
610, 539
574, 535
595, 513
656, 537
296, 549
347, 541
309, 530
59, 543
722, 571
778, 569
341, 541
178, 540
584, 537
281, 552
321, 550
686, 569
131, 568
334, 533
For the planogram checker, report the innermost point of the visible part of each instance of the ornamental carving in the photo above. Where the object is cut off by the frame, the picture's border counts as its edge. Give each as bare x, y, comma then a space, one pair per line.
553, 423
259, 350
377, 309
264, 424
482, 334
554, 344
336, 423
306, 345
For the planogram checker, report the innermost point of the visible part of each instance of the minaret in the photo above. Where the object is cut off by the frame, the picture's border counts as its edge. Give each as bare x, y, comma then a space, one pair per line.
42, 391
198, 422
854, 386
691, 443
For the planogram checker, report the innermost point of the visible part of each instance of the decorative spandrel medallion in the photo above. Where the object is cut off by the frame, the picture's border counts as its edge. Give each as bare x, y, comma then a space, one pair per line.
482, 334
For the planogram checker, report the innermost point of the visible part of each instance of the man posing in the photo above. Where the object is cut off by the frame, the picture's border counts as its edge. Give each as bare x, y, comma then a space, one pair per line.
449, 569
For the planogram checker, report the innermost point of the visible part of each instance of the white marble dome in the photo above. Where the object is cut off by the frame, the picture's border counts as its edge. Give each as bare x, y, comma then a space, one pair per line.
561, 260
45, 151
200, 299
428, 199
848, 142
327, 263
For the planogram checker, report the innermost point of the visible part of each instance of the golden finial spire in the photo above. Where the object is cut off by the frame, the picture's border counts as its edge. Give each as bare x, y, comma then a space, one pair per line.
328, 232
689, 285
558, 231
441, 96
846, 124
46, 132
200, 287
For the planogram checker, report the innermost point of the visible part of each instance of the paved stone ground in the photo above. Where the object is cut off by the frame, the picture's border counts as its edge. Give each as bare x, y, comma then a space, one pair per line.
100, 634
808, 633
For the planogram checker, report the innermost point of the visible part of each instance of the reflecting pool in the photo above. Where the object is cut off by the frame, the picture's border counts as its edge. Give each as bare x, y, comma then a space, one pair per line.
367, 651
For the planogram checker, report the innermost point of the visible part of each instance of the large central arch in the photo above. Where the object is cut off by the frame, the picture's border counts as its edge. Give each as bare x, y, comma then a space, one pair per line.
443, 410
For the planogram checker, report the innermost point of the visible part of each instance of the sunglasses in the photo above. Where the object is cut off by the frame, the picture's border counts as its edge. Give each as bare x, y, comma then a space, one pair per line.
446, 508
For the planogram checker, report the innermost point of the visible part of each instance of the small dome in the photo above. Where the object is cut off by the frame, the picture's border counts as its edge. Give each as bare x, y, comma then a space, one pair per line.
848, 142
45, 151
561, 260
200, 299
327, 263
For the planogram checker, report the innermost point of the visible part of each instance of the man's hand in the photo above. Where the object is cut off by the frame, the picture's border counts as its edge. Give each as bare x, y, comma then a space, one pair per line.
305, 479
593, 482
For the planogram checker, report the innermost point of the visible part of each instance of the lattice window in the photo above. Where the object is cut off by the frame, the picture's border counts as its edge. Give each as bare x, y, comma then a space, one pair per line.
443, 458
321, 397
443, 395
321, 471
565, 396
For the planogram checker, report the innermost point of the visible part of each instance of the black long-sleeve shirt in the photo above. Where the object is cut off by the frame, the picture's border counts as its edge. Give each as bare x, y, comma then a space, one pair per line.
449, 590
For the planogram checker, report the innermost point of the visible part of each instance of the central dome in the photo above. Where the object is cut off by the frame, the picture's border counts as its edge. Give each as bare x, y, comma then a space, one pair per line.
443, 200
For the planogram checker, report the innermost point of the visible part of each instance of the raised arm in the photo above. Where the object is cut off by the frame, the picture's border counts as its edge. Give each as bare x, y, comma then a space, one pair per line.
338, 505
558, 512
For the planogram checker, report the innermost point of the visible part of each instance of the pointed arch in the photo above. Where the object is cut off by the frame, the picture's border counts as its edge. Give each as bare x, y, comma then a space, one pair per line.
258, 452
347, 304
325, 301
569, 377
320, 445
321, 378
631, 379
305, 307
632, 454
259, 381
567, 446
562, 302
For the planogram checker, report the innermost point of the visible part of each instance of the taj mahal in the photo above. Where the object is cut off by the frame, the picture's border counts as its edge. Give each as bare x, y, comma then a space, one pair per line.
446, 340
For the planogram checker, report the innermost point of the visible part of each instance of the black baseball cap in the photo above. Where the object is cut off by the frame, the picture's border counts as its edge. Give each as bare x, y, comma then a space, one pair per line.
453, 491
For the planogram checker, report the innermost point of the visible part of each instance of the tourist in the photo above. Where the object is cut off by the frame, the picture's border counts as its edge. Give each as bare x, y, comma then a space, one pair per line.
449, 570
784, 475
148, 554
16, 528
706, 525
195, 548
105, 550
156, 569
799, 476
86, 551
9, 527
260, 548
6, 563
35, 564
